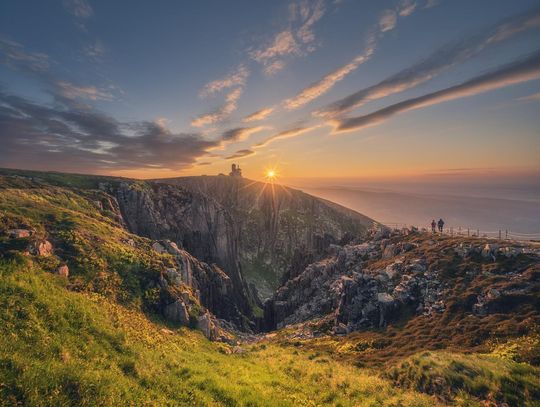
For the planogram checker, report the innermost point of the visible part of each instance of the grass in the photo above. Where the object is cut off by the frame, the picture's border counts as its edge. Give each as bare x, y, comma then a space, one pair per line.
94, 339
59, 347
469, 379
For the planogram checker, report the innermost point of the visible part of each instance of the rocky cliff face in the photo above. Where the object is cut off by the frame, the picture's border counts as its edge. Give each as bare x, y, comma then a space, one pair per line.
191, 220
273, 227
384, 280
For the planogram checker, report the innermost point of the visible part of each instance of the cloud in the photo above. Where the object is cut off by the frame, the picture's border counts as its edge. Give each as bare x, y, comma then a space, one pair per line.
388, 20
284, 43
296, 40
38, 66
240, 133
237, 78
273, 68
240, 154
517, 72
230, 105
94, 51
259, 115
442, 59
64, 138
15, 56
286, 134
326, 83
71, 91
533, 97
79, 8
406, 7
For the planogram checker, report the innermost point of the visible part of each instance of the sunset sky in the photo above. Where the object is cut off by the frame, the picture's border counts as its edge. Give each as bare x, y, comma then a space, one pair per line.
335, 88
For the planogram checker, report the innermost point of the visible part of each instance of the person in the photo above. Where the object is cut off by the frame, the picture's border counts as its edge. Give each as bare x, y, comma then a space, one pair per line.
433, 225
441, 225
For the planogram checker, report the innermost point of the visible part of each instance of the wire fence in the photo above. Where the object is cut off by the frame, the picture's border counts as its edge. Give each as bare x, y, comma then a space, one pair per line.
501, 234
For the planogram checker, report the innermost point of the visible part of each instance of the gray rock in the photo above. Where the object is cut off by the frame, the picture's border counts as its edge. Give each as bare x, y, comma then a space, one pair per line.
177, 312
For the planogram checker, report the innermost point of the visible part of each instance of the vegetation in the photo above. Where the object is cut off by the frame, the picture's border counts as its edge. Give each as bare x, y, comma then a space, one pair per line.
95, 339
59, 347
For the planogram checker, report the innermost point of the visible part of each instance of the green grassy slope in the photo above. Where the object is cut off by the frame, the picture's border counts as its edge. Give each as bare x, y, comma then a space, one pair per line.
59, 347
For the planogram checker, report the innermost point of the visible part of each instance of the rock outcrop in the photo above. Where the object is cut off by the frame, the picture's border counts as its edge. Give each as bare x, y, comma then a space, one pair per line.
267, 226
373, 284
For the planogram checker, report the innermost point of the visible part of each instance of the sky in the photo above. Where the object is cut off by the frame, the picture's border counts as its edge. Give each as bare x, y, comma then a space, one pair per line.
318, 89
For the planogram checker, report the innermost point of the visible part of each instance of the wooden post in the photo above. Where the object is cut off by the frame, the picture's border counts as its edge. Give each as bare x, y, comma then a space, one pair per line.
499, 234
477, 232
468, 233
506, 234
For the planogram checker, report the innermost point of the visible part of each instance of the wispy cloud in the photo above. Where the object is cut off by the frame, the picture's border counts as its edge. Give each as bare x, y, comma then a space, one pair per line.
71, 91
517, 72
533, 97
259, 115
297, 39
286, 134
79, 8
14, 55
240, 133
327, 82
388, 20
95, 50
240, 154
440, 60
237, 78
406, 7
230, 105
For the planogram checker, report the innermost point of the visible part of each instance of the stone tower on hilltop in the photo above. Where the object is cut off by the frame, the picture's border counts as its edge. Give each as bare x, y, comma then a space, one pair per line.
236, 171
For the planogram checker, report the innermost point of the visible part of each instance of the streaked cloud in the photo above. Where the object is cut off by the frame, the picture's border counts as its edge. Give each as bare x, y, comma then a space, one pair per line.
406, 7
15, 56
237, 78
517, 72
388, 20
95, 50
79, 8
71, 91
64, 138
327, 82
442, 59
240, 133
259, 115
240, 154
296, 40
533, 97
286, 134
230, 105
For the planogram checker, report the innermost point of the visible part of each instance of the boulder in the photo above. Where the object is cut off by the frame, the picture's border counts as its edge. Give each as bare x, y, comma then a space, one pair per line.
177, 312
208, 327
158, 247
63, 271
41, 248
19, 233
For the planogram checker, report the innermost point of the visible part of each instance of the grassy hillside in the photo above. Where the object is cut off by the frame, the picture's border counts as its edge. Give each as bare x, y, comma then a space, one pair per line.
95, 338
65, 348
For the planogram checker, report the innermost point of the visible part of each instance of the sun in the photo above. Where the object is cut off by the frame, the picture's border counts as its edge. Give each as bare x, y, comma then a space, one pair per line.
270, 174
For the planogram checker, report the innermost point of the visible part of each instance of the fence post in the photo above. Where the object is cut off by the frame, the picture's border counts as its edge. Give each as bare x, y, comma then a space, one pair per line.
499, 234
477, 232
468, 233
506, 234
